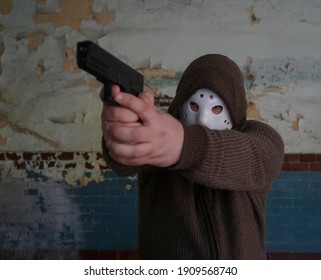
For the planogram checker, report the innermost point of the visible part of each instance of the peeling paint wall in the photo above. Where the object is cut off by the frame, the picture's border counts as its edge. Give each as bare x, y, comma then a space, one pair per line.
47, 103
50, 138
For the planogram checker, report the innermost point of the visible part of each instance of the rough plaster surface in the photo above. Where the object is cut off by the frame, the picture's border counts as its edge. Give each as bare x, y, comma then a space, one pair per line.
48, 104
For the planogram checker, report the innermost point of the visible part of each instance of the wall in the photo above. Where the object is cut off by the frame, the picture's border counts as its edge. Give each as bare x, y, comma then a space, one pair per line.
58, 195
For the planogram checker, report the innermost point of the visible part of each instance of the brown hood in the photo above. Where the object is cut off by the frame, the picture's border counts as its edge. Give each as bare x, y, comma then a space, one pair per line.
219, 74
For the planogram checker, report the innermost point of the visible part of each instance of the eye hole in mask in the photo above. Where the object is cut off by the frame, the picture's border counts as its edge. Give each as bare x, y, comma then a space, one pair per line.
216, 110
194, 106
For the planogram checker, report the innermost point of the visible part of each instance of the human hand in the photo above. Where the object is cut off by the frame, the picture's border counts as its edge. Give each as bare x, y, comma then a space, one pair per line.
137, 133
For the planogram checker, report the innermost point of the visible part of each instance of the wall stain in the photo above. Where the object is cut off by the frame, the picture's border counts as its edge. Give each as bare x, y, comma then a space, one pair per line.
72, 13
35, 40
6, 7
252, 17
295, 124
25, 130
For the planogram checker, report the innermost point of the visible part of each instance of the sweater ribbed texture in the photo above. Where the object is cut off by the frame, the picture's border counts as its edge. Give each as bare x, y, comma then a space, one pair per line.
211, 204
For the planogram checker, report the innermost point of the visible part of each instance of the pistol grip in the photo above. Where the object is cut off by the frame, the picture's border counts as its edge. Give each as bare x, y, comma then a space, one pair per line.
107, 91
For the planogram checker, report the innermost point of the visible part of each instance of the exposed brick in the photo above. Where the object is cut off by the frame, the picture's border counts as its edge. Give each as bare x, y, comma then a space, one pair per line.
13, 156
287, 166
103, 167
51, 164
70, 165
66, 156
86, 156
301, 166
99, 156
48, 156
291, 158
20, 165
318, 157
28, 155
88, 165
38, 165
307, 157
315, 166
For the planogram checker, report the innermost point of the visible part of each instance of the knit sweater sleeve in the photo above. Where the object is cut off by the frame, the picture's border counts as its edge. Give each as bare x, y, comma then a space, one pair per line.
229, 159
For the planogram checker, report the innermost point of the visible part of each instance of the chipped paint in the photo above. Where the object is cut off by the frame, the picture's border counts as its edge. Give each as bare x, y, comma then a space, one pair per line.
72, 14
252, 112
35, 40
49, 103
6, 7
73, 169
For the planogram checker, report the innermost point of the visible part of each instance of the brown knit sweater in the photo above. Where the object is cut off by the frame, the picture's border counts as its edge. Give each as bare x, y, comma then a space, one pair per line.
211, 204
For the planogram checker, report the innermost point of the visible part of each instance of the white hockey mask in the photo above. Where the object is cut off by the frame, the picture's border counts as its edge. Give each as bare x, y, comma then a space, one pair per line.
206, 108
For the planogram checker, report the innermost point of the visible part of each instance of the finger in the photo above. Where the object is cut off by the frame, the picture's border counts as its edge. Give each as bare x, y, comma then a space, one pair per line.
135, 133
148, 97
139, 106
118, 114
114, 90
129, 151
108, 129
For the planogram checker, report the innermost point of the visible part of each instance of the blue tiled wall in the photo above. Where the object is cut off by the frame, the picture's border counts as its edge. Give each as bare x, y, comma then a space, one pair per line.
294, 213
49, 216
41, 214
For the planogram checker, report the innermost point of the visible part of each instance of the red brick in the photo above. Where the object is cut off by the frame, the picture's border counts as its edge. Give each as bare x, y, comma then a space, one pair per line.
307, 158
287, 166
103, 167
86, 156
13, 156
51, 164
20, 165
66, 156
315, 166
99, 156
318, 156
291, 158
48, 156
38, 165
301, 166
71, 165
29, 156
88, 165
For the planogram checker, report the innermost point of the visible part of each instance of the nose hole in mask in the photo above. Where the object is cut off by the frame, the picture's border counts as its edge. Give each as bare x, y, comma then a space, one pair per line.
194, 106
216, 110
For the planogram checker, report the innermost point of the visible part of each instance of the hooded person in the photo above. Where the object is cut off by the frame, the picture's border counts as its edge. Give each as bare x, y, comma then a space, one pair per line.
211, 203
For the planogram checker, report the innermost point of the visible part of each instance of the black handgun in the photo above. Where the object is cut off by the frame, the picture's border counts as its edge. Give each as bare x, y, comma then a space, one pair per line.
108, 69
